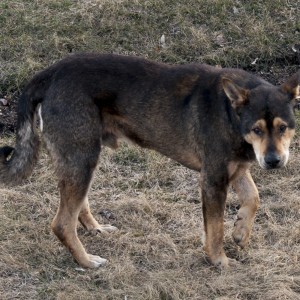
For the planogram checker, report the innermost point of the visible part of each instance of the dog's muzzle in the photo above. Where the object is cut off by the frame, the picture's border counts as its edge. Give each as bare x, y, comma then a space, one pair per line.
272, 161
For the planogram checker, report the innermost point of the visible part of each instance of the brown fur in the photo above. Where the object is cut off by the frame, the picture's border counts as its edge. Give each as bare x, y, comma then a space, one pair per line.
203, 117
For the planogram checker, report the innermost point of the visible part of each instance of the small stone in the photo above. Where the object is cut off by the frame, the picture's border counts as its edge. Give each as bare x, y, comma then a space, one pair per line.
3, 102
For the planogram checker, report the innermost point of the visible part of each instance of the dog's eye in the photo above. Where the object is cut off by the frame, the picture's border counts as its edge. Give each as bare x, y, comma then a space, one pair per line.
257, 131
282, 129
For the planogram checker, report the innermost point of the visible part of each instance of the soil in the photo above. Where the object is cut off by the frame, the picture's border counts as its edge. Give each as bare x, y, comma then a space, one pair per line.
8, 116
8, 113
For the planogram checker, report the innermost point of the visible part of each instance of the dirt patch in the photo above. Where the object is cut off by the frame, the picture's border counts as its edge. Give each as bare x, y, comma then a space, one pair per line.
8, 116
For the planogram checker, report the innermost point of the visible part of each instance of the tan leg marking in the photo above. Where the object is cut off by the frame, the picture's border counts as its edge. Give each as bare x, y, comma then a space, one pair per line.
214, 243
213, 201
249, 199
88, 221
64, 225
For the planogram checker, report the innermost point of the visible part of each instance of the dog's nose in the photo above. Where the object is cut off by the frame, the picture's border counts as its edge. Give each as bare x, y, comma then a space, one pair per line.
272, 160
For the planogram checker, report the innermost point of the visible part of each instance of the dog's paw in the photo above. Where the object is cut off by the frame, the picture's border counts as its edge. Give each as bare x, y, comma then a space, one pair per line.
241, 232
227, 263
223, 262
95, 261
106, 228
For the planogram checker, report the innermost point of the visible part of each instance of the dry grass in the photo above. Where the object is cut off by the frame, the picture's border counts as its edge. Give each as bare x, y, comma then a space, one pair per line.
157, 253
232, 33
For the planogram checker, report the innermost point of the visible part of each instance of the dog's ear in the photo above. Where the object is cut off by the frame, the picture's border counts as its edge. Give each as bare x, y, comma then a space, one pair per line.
238, 96
292, 87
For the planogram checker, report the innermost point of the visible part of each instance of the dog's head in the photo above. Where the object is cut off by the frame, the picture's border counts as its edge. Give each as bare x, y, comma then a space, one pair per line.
267, 118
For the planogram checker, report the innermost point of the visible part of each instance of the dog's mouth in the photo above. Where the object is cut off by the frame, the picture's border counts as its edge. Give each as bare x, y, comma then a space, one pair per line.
272, 160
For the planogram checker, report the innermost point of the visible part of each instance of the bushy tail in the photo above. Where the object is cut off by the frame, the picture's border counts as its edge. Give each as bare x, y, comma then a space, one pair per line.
17, 163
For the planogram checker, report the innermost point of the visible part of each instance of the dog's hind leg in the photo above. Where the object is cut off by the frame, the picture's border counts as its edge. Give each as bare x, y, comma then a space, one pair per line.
72, 132
249, 199
64, 225
88, 221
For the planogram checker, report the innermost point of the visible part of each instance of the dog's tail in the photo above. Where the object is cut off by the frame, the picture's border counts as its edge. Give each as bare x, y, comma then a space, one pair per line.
17, 163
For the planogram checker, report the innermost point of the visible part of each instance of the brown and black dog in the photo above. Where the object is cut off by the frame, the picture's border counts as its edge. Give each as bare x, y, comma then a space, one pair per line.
209, 119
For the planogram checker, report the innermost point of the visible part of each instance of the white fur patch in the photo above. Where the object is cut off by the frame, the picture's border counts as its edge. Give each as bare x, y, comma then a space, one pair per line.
40, 117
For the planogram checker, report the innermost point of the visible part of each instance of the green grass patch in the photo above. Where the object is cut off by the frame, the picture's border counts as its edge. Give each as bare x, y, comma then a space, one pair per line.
34, 34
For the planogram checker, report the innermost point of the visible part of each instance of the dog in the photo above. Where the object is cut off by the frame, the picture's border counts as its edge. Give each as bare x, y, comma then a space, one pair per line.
212, 120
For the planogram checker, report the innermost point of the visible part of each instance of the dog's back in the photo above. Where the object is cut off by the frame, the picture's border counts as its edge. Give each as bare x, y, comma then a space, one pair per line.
151, 104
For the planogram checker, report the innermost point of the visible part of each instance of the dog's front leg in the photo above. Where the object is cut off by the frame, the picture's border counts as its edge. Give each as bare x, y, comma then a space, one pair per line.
213, 202
249, 199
